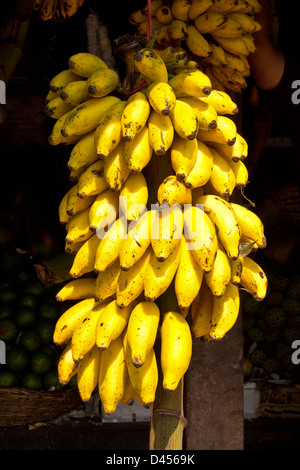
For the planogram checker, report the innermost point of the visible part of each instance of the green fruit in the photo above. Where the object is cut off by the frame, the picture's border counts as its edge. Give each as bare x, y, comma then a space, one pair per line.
17, 359
32, 381
30, 340
271, 366
34, 287
248, 367
8, 295
291, 306
40, 362
8, 379
6, 311
28, 301
255, 334
45, 328
275, 317
258, 357
8, 330
48, 311
51, 379
25, 317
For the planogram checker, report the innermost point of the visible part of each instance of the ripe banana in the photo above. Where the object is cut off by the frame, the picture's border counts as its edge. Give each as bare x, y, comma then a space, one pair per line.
106, 282
230, 29
138, 151
110, 243
177, 30
237, 63
210, 22
201, 172
73, 248
236, 46
219, 276
159, 274
61, 79
151, 66
135, 115
56, 108
222, 177
224, 133
77, 289
241, 173
161, 97
180, 9
92, 182
84, 259
115, 168
222, 102
201, 311
200, 234
193, 83
198, 7
161, 132
183, 156
83, 153
112, 376
112, 323
250, 224
171, 191
63, 216
104, 210
176, 349
137, 17
78, 227
188, 278
236, 270
70, 319
142, 330
196, 42
131, 282
225, 312
223, 216
85, 117
76, 204
85, 64
74, 93
254, 279
164, 14
167, 233
102, 82
206, 113
226, 6
108, 133
184, 119
247, 22
66, 367
217, 56
133, 196
88, 374
56, 137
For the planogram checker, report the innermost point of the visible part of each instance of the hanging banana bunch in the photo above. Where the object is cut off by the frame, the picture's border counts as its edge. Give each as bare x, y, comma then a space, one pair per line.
57, 10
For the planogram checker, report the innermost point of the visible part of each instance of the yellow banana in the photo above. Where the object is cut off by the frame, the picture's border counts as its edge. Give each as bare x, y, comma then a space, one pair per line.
115, 168
222, 102
164, 14
142, 28
138, 151
74, 93
110, 243
201, 237
254, 279
88, 374
194, 83
50, 95
133, 196
129, 393
224, 133
142, 330
183, 156
136, 17
66, 367
134, 116
56, 137
144, 379
112, 323
84, 259
85, 117
104, 210
76, 204
249, 41
63, 216
224, 6
172, 191
180, 9
85, 64
138, 239
233, 152
74, 174
247, 22
79, 227
102, 82
84, 335
206, 113
161, 97
222, 177
154, 5
112, 376
161, 132
61, 79
252, 6
70, 319
167, 233
219, 276
83, 153
56, 108
210, 22
92, 182
198, 7
250, 224
188, 277
106, 282
176, 349
196, 42
151, 66
131, 283
177, 30
184, 119
236, 270
77, 289
73, 248
108, 133
237, 63
230, 29
241, 173
201, 172
159, 274
223, 216
201, 312
217, 56
225, 312
236, 46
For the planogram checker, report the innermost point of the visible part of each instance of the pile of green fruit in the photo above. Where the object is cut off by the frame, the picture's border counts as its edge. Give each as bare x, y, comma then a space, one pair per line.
270, 327
28, 313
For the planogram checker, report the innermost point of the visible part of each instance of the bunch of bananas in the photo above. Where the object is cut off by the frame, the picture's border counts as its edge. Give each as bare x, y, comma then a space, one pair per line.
193, 240
57, 10
217, 33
